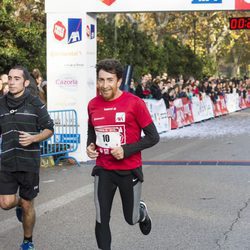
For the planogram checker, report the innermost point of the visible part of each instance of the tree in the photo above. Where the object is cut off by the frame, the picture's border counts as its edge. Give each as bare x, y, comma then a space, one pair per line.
206, 33
23, 36
133, 46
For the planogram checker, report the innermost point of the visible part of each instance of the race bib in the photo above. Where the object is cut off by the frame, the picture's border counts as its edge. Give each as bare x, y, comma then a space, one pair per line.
107, 137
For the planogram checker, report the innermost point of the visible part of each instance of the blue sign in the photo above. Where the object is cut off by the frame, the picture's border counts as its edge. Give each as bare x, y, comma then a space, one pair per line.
67, 138
206, 1
74, 30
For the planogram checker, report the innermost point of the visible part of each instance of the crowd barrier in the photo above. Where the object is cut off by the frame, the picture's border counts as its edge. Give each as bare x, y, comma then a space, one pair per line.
183, 111
65, 139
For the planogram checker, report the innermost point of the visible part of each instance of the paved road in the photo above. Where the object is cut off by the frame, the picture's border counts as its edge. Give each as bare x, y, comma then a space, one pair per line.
194, 206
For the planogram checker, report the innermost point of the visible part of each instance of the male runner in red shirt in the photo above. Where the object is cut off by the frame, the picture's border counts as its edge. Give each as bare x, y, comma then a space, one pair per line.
116, 122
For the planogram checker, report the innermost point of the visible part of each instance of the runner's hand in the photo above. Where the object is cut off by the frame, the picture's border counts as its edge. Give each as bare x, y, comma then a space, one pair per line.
91, 151
118, 153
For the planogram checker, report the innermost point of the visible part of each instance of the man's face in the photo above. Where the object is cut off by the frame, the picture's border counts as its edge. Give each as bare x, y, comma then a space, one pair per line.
108, 84
16, 82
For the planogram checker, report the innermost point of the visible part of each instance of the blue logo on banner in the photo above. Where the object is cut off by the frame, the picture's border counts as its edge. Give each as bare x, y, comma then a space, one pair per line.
74, 30
206, 1
92, 31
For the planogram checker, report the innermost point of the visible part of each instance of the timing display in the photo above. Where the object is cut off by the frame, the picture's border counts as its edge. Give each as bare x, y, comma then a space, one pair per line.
239, 23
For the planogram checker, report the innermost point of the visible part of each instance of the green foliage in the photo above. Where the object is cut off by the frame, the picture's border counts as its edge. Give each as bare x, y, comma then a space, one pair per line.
209, 66
132, 46
22, 37
181, 60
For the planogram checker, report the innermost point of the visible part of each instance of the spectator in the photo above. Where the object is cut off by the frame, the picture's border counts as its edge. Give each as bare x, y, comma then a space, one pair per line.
4, 78
3, 84
5, 88
32, 87
40, 85
156, 89
142, 90
132, 86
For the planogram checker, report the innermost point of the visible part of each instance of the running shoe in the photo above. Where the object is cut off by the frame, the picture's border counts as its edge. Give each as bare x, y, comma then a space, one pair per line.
27, 245
146, 224
19, 213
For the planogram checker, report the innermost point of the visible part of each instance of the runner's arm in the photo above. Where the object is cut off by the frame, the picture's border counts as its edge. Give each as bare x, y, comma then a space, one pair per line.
150, 139
91, 135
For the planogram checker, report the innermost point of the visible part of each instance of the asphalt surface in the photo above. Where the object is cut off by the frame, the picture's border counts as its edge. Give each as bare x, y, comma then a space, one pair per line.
197, 191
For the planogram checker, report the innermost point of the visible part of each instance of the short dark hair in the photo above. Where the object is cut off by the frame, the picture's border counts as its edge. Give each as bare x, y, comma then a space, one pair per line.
112, 66
26, 74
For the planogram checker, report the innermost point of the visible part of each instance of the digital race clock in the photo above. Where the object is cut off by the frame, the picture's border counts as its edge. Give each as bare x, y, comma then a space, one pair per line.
239, 23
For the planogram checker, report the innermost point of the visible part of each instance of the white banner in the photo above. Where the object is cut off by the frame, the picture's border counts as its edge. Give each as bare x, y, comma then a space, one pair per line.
158, 112
232, 102
97, 6
202, 109
71, 59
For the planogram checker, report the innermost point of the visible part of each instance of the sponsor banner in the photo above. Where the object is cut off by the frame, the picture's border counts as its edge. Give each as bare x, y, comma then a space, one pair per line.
232, 102
183, 111
217, 109
158, 112
223, 105
220, 107
97, 6
71, 59
188, 114
243, 103
180, 113
202, 109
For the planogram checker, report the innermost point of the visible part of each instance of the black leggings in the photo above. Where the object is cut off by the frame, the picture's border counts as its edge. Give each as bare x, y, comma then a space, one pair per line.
106, 183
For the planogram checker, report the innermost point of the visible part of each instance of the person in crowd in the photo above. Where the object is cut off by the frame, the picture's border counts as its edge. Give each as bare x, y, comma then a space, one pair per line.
24, 122
164, 76
164, 91
44, 88
31, 86
213, 95
179, 91
41, 85
4, 78
156, 89
171, 94
3, 84
189, 90
205, 88
220, 89
173, 82
242, 90
142, 90
132, 86
183, 91
114, 140
5, 88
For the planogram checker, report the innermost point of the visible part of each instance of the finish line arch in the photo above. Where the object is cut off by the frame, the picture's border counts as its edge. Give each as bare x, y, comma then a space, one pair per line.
72, 46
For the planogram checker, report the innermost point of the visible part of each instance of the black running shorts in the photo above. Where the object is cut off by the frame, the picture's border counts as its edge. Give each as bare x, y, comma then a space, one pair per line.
28, 184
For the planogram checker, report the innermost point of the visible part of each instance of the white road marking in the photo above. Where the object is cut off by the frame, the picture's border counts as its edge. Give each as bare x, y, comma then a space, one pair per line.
49, 206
